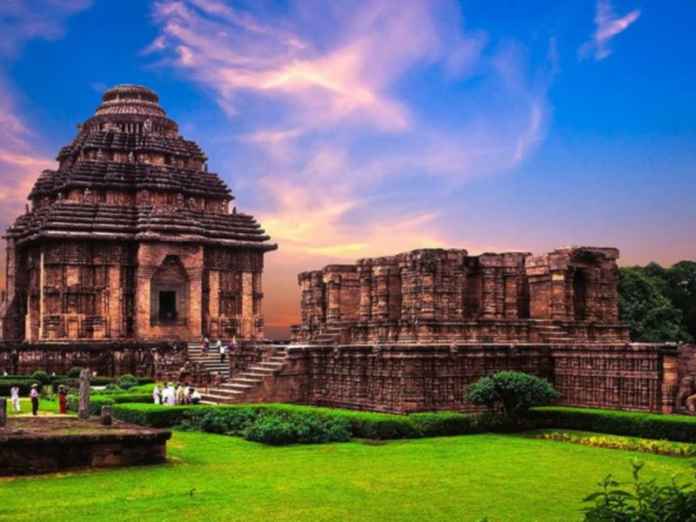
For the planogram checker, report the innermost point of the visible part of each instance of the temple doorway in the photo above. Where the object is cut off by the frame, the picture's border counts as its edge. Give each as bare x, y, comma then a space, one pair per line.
167, 306
580, 295
169, 293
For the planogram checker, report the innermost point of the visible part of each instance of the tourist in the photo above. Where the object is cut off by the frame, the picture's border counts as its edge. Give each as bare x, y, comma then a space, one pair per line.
206, 344
14, 399
180, 394
34, 395
222, 349
157, 394
169, 395
195, 396
62, 400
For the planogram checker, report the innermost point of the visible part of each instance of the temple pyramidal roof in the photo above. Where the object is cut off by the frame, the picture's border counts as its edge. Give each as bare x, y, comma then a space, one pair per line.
130, 175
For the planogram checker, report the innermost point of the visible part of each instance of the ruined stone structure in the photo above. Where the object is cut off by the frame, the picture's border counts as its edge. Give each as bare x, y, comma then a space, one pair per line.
411, 332
431, 296
132, 239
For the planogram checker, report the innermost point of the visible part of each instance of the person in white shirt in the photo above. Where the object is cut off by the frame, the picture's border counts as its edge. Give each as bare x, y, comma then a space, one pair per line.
195, 396
157, 394
14, 399
34, 395
169, 395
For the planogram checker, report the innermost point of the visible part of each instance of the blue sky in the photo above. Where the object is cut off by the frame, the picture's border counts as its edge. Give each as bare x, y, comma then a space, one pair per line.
363, 128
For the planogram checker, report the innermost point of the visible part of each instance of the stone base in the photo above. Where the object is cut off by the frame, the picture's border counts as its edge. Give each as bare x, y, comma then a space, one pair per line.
45, 445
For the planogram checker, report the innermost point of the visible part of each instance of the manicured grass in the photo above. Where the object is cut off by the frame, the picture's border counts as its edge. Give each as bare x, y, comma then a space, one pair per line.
220, 478
46, 407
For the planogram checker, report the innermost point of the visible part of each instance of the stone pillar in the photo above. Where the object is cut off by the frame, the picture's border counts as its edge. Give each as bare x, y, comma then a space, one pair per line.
365, 295
247, 305
489, 293
333, 297
3, 412
115, 301
83, 409
213, 302
106, 416
670, 382
42, 281
195, 315
559, 296
257, 284
380, 303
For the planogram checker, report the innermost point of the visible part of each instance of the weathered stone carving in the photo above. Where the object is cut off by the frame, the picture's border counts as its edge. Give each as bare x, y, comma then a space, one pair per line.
686, 395
83, 408
448, 295
125, 179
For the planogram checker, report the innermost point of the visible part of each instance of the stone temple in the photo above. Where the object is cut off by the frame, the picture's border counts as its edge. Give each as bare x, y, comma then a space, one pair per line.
131, 238
129, 254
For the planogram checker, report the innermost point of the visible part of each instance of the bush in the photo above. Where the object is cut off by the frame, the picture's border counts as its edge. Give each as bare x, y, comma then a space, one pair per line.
156, 416
74, 372
41, 377
648, 501
513, 392
24, 383
678, 428
127, 381
278, 429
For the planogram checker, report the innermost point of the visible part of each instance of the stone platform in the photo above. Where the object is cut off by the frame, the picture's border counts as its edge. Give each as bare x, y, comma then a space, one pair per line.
30, 445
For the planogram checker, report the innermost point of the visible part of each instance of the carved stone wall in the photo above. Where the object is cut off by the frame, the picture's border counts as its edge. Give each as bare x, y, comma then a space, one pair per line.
160, 360
405, 378
441, 295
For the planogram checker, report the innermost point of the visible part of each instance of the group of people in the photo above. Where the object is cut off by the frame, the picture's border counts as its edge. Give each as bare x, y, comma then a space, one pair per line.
34, 395
219, 347
171, 395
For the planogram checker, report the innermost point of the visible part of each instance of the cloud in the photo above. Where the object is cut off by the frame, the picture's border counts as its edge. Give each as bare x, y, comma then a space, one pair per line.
607, 26
23, 20
350, 150
20, 162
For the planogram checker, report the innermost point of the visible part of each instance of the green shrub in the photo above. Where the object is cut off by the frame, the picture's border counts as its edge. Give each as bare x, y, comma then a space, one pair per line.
156, 416
143, 388
74, 372
24, 383
41, 377
127, 381
96, 401
278, 429
648, 501
678, 428
513, 392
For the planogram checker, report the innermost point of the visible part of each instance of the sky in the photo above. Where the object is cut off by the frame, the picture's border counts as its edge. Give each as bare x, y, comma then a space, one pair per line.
363, 128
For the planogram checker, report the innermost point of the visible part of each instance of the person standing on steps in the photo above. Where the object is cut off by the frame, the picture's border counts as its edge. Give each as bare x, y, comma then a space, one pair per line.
221, 349
206, 344
34, 395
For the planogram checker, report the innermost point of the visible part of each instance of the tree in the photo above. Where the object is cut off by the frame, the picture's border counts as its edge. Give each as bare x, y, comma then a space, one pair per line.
650, 315
514, 392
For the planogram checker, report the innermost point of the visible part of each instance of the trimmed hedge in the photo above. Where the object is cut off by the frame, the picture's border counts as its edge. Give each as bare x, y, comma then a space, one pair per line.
96, 401
678, 428
24, 383
237, 419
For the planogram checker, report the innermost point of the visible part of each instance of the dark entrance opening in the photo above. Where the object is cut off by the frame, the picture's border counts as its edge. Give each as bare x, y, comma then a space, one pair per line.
580, 295
167, 306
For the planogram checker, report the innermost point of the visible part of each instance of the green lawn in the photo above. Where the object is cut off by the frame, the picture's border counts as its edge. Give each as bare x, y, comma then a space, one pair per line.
46, 407
217, 478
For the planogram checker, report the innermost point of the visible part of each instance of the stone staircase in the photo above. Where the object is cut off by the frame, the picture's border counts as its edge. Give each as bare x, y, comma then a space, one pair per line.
209, 361
552, 333
247, 386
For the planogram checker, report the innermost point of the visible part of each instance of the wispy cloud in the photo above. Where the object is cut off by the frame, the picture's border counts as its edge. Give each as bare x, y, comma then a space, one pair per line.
344, 144
23, 20
607, 26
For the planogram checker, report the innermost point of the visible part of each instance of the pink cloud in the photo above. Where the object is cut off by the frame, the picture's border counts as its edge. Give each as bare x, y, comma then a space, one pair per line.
607, 26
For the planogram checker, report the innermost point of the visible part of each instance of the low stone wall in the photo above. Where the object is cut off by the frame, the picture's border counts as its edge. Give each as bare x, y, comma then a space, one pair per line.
410, 378
160, 360
31, 446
